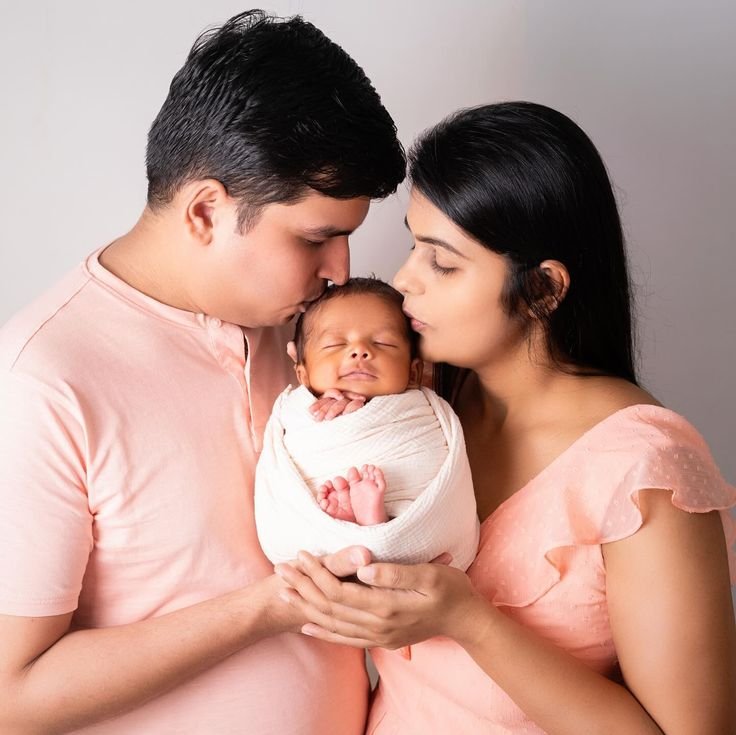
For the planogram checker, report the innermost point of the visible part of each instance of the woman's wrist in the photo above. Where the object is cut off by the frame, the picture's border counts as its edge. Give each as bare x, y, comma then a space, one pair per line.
473, 622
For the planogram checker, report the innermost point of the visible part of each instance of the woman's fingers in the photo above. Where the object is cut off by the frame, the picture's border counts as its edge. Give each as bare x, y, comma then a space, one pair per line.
397, 576
316, 631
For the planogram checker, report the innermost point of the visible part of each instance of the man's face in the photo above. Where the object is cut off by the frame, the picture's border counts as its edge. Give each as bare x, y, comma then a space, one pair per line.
264, 275
358, 343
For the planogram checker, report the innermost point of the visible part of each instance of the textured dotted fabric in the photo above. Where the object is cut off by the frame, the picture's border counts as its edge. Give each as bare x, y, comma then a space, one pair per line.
540, 561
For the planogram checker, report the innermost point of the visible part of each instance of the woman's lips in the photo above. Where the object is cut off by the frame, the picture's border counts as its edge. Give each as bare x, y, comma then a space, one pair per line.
416, 325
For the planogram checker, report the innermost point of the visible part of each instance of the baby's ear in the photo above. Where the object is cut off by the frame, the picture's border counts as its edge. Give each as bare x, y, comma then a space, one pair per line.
291, 350
415, 373
301, 374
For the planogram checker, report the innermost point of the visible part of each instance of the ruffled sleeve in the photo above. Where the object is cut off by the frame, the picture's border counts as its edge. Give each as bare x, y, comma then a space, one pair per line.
589, 495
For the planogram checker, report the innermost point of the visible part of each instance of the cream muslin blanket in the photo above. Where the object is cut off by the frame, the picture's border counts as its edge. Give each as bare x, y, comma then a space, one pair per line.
416, 440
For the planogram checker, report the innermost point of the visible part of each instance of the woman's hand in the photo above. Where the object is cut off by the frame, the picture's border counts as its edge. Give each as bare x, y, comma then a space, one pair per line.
402, 604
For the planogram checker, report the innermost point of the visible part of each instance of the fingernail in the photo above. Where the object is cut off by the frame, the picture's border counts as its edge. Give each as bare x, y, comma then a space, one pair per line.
308, 629
366, 574
285, 597
357, 557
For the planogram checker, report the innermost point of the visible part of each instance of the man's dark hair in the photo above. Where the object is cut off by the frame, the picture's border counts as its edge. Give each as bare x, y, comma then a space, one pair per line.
271, 108
353, 287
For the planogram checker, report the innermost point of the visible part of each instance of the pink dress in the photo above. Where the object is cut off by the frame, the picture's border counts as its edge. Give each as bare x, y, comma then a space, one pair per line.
540, 561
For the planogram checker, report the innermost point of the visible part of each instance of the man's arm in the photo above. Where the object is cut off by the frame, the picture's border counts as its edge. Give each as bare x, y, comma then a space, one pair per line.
53, 679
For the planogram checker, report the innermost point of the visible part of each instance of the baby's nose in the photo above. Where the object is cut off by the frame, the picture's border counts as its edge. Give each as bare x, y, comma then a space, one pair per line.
360, 352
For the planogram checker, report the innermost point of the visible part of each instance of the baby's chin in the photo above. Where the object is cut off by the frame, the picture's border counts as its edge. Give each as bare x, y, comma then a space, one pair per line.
369, 390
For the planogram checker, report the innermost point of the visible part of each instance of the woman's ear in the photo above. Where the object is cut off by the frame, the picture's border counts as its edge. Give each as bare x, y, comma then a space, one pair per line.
559, 276
415, 373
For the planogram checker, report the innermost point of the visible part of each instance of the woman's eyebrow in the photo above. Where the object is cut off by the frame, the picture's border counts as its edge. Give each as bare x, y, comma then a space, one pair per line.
435, 241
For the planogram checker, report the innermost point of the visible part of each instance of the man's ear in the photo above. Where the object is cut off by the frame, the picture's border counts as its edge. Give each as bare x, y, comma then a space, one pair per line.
558, 274
205, 201
416, 369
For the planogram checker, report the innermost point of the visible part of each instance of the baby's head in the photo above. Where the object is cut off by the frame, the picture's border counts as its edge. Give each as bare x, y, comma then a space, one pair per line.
356, 338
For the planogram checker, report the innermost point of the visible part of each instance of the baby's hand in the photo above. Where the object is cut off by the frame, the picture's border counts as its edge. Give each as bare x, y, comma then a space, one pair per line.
334, 403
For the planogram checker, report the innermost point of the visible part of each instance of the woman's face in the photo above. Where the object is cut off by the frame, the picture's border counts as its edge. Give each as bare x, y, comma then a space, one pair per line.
452, 289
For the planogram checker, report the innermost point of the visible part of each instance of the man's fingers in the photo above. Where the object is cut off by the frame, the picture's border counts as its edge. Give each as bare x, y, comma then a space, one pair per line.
347, 561
306, 589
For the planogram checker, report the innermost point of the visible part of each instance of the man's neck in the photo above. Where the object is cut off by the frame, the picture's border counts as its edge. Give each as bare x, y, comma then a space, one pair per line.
144, 259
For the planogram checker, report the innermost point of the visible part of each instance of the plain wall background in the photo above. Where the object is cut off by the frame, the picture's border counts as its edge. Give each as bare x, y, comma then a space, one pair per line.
652, 83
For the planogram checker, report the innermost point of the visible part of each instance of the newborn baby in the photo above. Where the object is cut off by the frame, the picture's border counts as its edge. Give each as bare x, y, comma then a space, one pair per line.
359, 405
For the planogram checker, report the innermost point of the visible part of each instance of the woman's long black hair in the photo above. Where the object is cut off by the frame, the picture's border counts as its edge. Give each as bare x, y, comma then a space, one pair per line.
526, 182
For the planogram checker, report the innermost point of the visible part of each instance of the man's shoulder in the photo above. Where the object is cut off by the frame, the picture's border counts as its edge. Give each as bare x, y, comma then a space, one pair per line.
42, 320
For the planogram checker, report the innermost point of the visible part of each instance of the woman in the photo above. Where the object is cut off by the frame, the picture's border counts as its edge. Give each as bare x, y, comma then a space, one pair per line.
596, 604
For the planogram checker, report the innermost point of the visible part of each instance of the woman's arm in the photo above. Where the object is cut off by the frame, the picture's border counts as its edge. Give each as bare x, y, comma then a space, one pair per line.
671, 615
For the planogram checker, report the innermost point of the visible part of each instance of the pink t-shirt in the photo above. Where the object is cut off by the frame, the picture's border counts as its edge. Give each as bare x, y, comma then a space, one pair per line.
540, 562
129, 433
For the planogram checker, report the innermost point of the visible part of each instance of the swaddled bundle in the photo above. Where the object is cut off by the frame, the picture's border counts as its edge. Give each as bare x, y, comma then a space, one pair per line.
416, 440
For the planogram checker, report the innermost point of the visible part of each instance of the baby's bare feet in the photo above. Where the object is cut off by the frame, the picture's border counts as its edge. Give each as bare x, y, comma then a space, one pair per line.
334, 499
367, 489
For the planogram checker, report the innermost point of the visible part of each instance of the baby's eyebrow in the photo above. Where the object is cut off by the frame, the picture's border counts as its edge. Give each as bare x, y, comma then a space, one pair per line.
329, 334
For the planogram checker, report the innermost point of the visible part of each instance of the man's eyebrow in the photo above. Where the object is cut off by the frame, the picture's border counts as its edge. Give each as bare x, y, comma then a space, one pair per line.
326, 231
435, 241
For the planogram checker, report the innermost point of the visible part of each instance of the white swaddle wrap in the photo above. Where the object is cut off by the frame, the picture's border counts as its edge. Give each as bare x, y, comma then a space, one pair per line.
416, 440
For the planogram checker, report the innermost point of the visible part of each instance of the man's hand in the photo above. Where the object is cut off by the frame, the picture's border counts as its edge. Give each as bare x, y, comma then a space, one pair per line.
333, 403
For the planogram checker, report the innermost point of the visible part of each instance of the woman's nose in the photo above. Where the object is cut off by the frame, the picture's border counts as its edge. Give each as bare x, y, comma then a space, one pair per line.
404, 280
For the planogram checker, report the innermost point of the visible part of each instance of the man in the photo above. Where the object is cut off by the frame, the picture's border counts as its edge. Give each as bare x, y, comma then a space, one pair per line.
134, 595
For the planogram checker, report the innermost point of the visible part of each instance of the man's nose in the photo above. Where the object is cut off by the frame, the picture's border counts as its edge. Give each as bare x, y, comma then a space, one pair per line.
335, 265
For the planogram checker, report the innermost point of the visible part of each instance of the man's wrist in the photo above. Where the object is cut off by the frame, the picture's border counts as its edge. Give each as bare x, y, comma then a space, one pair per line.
264, 613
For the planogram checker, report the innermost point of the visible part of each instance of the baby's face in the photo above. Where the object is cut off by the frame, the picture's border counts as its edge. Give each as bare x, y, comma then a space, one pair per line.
358, 343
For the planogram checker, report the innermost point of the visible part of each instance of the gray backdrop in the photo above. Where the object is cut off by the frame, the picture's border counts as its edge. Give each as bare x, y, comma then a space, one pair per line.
652, 83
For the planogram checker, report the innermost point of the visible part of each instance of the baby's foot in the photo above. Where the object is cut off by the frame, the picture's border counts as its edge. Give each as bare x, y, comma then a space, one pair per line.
367, 489
334, 499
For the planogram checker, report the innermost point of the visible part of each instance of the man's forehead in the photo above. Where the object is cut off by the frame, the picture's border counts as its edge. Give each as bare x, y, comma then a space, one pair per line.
325, 216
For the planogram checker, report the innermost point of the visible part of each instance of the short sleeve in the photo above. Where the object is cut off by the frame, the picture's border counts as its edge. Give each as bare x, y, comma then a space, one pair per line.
45, 523
590, 496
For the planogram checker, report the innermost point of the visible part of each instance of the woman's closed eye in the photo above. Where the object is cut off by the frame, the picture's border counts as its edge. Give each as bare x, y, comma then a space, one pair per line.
434, 265
444, 270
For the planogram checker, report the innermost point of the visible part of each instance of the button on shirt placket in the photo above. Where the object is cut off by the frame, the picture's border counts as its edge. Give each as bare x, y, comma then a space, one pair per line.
229, 346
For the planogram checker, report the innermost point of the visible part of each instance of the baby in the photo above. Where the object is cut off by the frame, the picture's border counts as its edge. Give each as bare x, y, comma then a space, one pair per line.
360, 404
348, 350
